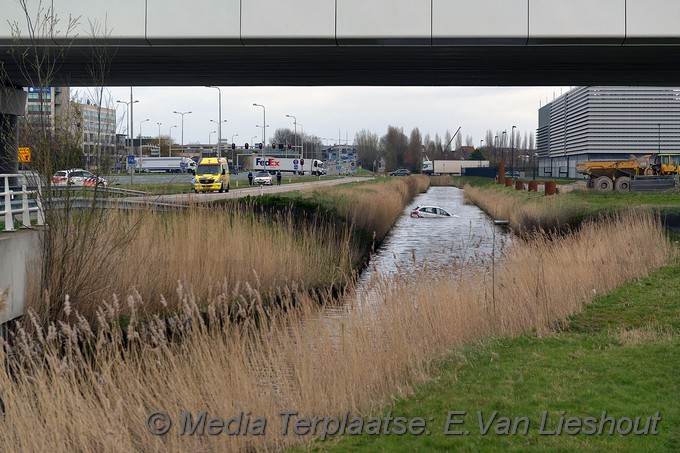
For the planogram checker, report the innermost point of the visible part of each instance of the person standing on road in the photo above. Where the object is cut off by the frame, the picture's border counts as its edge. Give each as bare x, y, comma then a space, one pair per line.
278, 178
250, 178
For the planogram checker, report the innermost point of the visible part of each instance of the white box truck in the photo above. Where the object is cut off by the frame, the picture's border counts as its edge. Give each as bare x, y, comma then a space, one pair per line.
165, 164
451, 167
285, 165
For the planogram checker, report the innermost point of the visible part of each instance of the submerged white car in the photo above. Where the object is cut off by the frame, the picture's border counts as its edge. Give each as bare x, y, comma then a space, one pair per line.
429, 211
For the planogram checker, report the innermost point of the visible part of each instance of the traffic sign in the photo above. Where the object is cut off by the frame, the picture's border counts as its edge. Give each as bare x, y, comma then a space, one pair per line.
131, 159
24, 154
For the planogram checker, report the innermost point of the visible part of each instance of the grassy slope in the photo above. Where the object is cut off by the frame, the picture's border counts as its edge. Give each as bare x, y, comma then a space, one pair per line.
620, 355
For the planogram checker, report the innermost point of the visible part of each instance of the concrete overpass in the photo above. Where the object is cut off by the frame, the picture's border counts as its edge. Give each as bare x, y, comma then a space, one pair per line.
352, 42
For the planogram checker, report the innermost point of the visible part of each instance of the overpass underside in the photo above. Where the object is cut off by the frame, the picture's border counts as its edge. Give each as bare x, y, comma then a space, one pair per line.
372, 65
347, 42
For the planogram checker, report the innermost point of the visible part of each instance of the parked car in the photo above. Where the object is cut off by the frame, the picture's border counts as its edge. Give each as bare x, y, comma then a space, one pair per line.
429, 211
512, 174
77, 177
263, 178
400, 172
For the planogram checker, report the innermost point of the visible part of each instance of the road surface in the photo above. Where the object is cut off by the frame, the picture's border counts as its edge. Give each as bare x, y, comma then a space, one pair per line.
185, 199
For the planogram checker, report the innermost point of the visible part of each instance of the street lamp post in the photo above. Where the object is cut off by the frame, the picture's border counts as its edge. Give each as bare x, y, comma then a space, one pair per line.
219, 124
170, 140
480, 144
302, 145
159, 139
264, 126
129, 122
219, 135
233, 152
512, 155
132, 137
182, 113
295, 129
140, 135
503, 146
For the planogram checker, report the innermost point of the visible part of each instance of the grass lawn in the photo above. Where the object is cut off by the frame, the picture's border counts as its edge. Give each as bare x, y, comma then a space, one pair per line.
620, 355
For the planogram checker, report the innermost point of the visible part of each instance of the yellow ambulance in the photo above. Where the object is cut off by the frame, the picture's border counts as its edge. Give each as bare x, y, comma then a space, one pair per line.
212, 174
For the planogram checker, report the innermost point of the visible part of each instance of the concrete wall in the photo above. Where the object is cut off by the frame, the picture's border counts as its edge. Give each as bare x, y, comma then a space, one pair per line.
331, 22
19, 251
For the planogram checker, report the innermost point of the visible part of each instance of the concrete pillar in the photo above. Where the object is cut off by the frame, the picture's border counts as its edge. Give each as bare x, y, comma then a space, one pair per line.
508, 182
12, 105
501, 173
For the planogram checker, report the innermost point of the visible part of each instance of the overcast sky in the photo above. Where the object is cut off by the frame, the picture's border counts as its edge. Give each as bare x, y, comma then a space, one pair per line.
331, 112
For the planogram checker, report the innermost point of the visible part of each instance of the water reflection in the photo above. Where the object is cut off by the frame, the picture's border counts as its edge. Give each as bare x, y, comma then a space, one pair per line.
433, 242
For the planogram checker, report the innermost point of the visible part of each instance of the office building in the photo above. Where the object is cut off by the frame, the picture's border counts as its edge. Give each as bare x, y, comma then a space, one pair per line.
606, 123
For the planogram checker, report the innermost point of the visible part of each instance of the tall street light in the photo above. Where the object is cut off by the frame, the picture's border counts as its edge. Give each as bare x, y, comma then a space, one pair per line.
219, 135
233, 151
295, 129
140, 135
512, 155
129, 121
219, 124
170, 140
159, 139
503, 146
264, 120
182, 113
264, 127
302, 143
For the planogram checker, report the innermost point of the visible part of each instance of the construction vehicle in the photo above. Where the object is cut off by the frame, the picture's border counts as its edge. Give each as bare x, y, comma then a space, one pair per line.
618, 174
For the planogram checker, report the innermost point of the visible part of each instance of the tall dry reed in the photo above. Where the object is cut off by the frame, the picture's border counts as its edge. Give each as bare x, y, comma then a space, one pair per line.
148, 252
96, 253
374, 208
525, 215
74, 387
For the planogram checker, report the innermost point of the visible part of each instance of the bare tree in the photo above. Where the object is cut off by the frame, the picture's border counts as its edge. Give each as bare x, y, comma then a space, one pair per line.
368, 151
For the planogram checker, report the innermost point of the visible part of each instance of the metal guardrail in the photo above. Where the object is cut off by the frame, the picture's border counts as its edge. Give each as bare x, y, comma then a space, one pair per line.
111, 190
26, 206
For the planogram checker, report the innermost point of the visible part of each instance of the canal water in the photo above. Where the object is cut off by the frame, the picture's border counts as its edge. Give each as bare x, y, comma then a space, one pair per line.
468, 236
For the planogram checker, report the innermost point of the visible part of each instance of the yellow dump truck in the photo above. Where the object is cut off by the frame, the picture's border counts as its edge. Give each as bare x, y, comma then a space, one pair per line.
618, 174
212, 174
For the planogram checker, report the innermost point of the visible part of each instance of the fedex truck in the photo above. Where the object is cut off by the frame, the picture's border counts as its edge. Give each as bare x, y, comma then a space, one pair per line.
285, 165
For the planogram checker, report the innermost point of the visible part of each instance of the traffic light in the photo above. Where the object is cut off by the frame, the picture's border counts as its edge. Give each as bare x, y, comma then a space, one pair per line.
233, 146
245, 146
260, 145
302, 161
289, 146
273, 145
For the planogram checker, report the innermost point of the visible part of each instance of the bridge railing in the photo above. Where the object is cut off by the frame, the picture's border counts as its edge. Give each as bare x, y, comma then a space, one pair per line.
22, 202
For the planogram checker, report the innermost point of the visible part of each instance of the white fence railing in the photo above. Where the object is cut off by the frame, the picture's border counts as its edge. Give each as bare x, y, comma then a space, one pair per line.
20, 202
